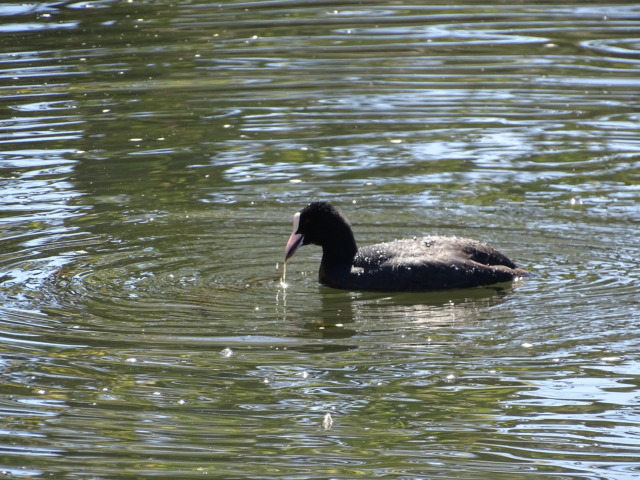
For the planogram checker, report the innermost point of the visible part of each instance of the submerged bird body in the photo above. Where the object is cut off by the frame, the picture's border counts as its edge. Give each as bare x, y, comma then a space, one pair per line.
423, 263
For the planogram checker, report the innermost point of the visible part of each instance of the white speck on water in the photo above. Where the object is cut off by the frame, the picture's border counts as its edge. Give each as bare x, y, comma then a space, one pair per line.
327, 421
611, 359
131, 360
527, 345
226, 352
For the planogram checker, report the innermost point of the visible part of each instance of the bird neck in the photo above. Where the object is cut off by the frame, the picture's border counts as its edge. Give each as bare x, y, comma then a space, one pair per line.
340, 249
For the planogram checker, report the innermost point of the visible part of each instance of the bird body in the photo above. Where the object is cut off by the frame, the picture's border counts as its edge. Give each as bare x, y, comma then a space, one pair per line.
413, 264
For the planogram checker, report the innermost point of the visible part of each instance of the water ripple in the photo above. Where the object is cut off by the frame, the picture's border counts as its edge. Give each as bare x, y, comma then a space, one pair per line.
618, 46
152, 157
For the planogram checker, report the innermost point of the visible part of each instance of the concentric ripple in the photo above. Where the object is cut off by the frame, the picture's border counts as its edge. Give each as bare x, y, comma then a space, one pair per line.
151, 157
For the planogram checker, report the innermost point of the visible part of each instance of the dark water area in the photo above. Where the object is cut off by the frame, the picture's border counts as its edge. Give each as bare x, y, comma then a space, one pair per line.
151, 157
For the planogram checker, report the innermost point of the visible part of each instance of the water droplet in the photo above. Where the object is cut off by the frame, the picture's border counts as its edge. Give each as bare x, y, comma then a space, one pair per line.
283, 280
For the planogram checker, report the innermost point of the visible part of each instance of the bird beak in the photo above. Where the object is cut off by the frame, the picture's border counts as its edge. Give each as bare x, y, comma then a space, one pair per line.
295, 241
